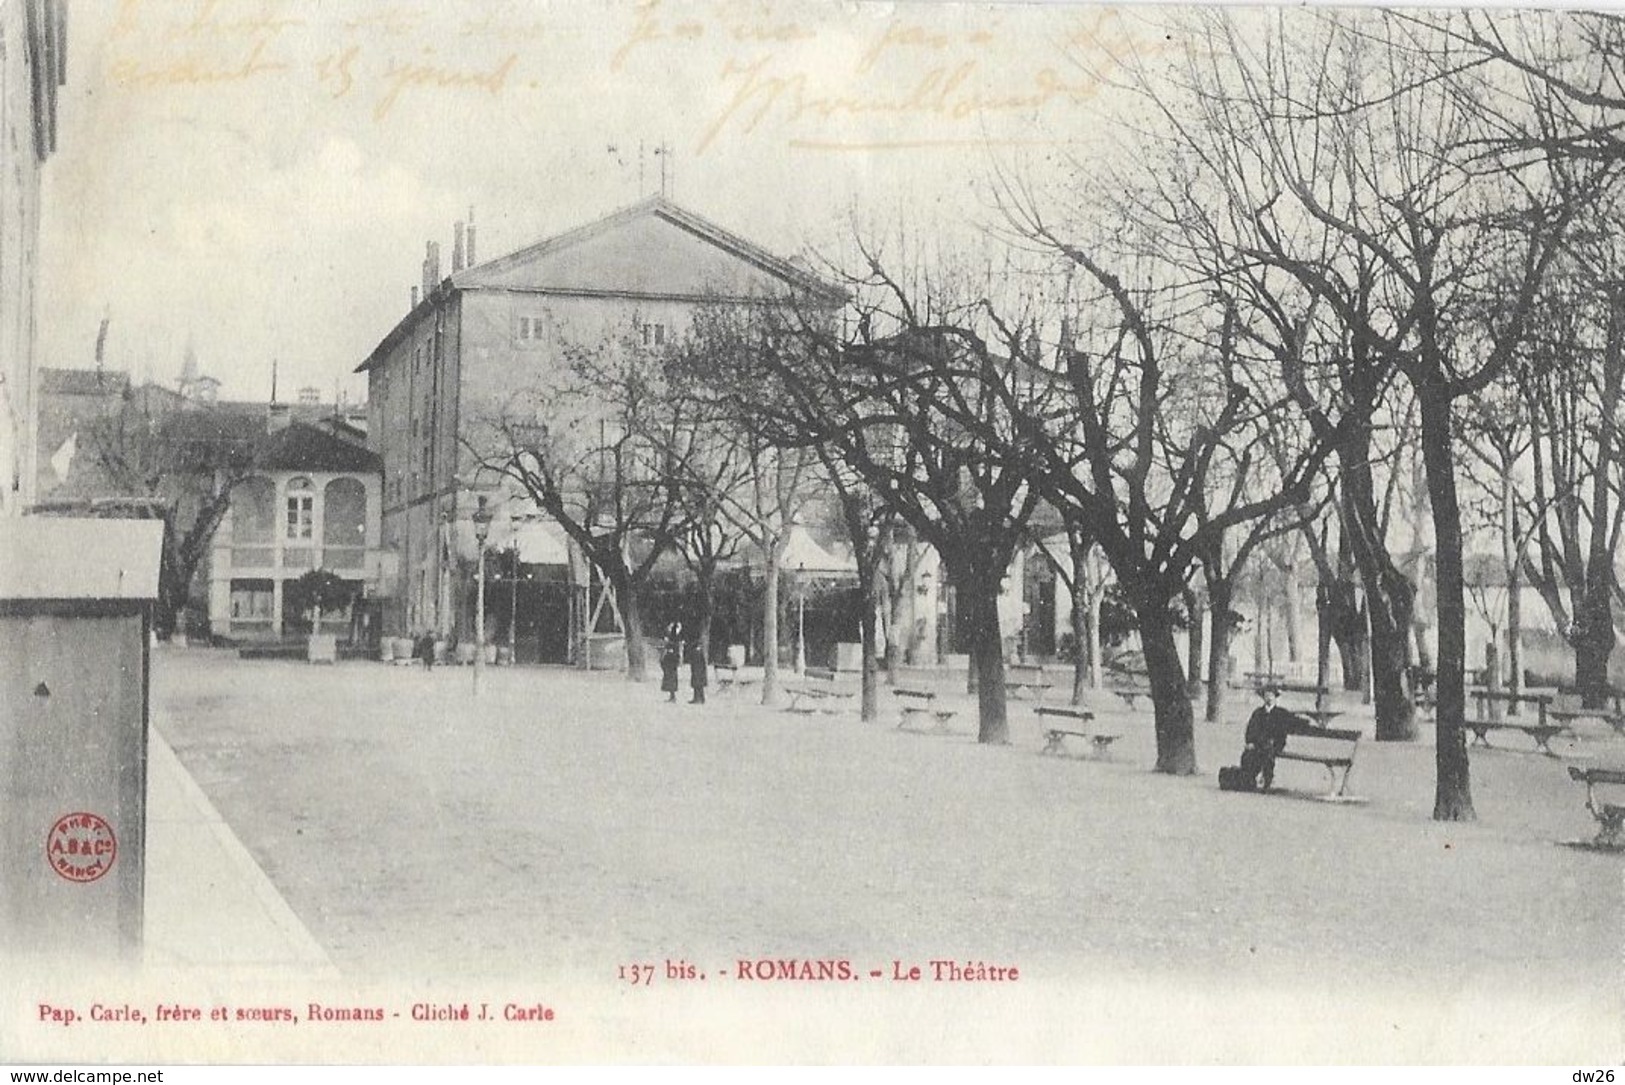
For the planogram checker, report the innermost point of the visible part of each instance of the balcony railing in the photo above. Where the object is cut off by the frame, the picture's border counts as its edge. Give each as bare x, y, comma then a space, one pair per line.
253, 557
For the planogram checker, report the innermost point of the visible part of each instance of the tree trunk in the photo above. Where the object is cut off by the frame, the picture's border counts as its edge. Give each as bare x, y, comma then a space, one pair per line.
869, 693
631, 607
1453, 795
770, 630
1221, 595
1594, 615
1289, 612
1348, 631
705, 578
1510, 562
979, 596
1097, 662
1175, 727
888, 629
1193, 644
1390, 601
1174, 723
1593, 640
1080, 640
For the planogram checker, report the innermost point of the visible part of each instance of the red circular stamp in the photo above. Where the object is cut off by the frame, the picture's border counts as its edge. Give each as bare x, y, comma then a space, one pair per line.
81, 847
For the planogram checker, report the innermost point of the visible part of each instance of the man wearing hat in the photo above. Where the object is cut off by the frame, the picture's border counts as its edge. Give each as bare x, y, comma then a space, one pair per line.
1266, 736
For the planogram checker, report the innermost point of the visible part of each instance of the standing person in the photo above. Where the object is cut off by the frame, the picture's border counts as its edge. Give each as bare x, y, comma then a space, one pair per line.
671, 657
426, 651
1267, 729
696, 668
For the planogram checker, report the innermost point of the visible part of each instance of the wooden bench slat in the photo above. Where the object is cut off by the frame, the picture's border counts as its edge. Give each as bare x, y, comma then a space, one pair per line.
1345, 741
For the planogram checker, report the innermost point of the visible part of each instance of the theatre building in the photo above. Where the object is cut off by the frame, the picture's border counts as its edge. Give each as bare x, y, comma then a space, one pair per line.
474, 337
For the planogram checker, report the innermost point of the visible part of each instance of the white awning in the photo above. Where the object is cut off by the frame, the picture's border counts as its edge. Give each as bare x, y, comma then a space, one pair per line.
804, 553
540, 544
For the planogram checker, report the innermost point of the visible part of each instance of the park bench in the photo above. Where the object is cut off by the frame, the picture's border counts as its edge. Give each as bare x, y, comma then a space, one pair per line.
1610, 815
821, 686
1329, 748
921, 702
1132, 694
1320, 713
1023, 679
730, 677
1613, 714
1540, 729
1062, 723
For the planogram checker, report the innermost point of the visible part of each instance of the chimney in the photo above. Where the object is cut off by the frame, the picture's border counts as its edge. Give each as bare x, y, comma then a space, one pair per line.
414, 297
428, 251
277, 417
470, 248
434, 265
457, 248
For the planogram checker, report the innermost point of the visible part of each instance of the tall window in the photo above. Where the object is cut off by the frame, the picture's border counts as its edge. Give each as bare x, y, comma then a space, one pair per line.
530, 330
654, 335
344, 524
301, 511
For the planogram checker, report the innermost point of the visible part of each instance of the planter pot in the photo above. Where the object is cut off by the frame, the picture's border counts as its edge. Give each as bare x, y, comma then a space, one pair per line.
490, 653
504, 655
403, 647
736, 655
386, 650
465, 654
322, 648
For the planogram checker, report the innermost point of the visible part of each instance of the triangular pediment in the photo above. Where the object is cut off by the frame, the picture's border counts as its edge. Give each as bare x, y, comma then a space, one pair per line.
653, 249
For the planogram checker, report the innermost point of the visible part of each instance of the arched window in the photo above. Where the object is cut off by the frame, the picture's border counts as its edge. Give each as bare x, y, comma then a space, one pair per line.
252, 518
344, 524
253, 523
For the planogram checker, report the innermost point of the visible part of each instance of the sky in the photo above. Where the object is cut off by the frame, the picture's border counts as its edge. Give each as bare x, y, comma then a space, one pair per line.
256, 179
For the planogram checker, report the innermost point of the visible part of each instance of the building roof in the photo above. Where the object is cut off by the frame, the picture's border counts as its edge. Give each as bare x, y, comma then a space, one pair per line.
83, 382
303, 447
554, 264
652, 250
49, 557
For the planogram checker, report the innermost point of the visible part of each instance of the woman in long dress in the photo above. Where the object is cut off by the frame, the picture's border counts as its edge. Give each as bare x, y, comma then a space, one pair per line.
671, 658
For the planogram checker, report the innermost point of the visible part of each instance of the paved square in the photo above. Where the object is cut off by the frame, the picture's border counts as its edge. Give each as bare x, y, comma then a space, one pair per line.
568, 823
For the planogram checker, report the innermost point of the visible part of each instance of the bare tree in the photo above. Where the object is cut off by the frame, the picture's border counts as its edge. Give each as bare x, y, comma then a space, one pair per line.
1164, 439
1362, 129
769, 487
172, 465
1571, 385
904, 403
591, 446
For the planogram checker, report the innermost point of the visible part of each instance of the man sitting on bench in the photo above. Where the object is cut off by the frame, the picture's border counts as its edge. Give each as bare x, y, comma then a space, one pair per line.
1266, 736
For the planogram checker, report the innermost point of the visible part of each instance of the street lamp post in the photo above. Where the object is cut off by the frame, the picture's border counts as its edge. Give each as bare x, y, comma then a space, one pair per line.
482, 530
801, 618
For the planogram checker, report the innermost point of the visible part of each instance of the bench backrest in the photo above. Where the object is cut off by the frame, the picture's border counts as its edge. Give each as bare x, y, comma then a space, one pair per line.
919, 694
1597, 776
1063, 712
1314, 741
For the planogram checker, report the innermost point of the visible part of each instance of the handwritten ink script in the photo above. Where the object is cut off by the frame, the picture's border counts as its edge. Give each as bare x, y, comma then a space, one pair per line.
808, 76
